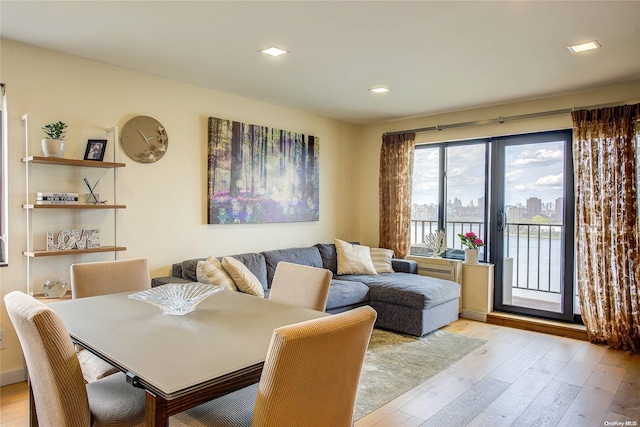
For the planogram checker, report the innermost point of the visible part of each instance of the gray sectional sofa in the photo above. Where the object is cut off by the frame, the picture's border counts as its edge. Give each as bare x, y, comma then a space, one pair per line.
405, 301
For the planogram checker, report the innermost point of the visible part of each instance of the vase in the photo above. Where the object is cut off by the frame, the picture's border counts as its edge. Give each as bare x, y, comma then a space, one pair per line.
470, 256
53, 147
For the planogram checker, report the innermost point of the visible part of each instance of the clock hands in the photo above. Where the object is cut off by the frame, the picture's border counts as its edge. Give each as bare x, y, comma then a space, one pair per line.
145, 137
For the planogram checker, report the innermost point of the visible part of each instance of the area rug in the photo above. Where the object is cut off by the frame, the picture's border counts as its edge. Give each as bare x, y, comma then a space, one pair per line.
396, 363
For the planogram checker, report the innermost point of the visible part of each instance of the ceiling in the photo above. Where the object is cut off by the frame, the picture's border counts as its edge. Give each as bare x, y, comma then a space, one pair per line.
434, 56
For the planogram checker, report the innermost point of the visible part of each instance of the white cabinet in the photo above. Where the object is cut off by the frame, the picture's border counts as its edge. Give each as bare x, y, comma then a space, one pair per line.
69, 173
477, 291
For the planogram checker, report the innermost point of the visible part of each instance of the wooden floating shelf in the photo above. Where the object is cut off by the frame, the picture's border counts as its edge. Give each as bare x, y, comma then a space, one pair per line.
38, 254
71, 162
54, 206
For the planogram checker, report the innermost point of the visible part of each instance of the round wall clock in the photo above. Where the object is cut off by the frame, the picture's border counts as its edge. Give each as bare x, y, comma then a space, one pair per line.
144, 139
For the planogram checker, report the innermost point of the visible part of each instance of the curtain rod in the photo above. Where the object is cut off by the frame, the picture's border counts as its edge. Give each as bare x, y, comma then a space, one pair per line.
499, 120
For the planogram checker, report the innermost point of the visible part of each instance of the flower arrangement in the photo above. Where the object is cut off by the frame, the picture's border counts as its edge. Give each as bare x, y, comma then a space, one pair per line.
437, 242
470, 240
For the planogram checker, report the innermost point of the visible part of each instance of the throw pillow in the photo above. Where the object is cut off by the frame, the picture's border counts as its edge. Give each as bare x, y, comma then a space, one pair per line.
212, 273
381, 258
244, 279
354, 259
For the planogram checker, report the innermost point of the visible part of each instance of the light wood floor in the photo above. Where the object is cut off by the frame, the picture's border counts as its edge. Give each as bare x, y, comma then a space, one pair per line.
518, 378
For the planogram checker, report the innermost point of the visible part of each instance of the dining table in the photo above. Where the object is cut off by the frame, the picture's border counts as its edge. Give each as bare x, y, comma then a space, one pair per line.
180, 360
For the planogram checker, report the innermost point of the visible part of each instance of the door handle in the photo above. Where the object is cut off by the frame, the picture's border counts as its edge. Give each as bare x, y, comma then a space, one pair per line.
502, 220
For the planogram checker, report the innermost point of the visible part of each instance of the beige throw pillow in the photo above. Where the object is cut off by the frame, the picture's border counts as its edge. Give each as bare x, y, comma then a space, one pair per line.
381, 258
212, 273
244, 279
354, 259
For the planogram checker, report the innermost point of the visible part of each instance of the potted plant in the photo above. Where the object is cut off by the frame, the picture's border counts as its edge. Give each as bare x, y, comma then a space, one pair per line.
53, 144
472, 242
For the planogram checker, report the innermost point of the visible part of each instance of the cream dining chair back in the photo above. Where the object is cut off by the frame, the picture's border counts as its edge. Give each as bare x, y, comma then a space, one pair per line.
59, 392
310, 378
301, 285
106, 277
91, 279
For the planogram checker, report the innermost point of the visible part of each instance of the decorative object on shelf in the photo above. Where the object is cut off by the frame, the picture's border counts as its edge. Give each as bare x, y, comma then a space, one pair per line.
472, 242
53, 144
95, 149
54, 288
48, 198
144, 139
176, 298
91, 198
73, 239
258, 174
437, 242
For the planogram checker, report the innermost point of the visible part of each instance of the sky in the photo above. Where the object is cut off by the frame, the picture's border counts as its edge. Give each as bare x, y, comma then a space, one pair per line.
532, 170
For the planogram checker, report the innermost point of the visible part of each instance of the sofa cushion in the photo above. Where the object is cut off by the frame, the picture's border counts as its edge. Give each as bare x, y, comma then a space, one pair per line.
256, 264
244, 279
329, 256
305, 256
381, 259
345, 293
407, 289
211, 272
189, 269
354, 259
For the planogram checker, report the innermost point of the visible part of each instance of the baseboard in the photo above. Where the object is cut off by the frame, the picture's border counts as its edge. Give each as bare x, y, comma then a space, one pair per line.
13, 377
474, 315
545, 326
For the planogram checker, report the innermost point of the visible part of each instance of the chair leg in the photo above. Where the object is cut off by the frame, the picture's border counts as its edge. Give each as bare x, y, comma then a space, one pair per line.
33, 415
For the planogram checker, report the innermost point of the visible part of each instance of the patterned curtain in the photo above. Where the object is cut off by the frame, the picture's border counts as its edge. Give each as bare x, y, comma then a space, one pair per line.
607, 243
396, 174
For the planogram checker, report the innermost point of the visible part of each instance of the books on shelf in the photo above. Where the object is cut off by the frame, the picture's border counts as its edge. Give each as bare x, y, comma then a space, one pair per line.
48, 198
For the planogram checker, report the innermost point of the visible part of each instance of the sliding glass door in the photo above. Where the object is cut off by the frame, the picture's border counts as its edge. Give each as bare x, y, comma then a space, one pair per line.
532, 231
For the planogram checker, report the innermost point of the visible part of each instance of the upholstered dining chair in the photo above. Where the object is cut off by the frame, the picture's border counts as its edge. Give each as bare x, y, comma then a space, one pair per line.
105, 277
310, 378
300, 285
59, 391
91, 279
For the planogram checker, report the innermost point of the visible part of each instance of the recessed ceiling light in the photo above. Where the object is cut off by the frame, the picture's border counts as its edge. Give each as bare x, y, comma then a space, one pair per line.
274, 51
379, 90
577, 48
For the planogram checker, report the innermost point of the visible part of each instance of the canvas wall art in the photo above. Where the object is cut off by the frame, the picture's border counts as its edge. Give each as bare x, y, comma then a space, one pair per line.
258, 174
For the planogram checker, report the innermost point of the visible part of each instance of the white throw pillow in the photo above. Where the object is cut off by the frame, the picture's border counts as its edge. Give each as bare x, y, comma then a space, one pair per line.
212, 273
244, 279
381, 258
354, 259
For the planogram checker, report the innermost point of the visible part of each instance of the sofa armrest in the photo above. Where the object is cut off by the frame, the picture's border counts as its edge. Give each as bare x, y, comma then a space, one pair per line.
158, 281
404, 266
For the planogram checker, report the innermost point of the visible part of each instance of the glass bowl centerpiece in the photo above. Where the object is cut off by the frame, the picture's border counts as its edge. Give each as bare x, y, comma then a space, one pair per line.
176, 298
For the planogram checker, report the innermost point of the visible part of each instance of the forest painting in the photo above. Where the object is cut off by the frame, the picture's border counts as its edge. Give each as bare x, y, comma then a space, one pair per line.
258, 174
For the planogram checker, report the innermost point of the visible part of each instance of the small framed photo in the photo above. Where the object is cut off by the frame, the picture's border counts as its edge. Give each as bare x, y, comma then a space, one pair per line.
95, 149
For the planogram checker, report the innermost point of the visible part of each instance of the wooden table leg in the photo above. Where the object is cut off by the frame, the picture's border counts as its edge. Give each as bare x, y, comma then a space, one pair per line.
156, 411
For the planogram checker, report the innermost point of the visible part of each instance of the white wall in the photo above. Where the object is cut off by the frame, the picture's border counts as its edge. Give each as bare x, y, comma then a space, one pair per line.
371, 138
165, 219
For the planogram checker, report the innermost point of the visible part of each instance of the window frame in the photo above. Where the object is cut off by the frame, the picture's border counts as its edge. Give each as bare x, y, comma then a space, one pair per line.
452, 252
4, 180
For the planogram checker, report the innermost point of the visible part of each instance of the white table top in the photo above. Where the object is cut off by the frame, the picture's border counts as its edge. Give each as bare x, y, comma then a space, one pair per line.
171, 355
